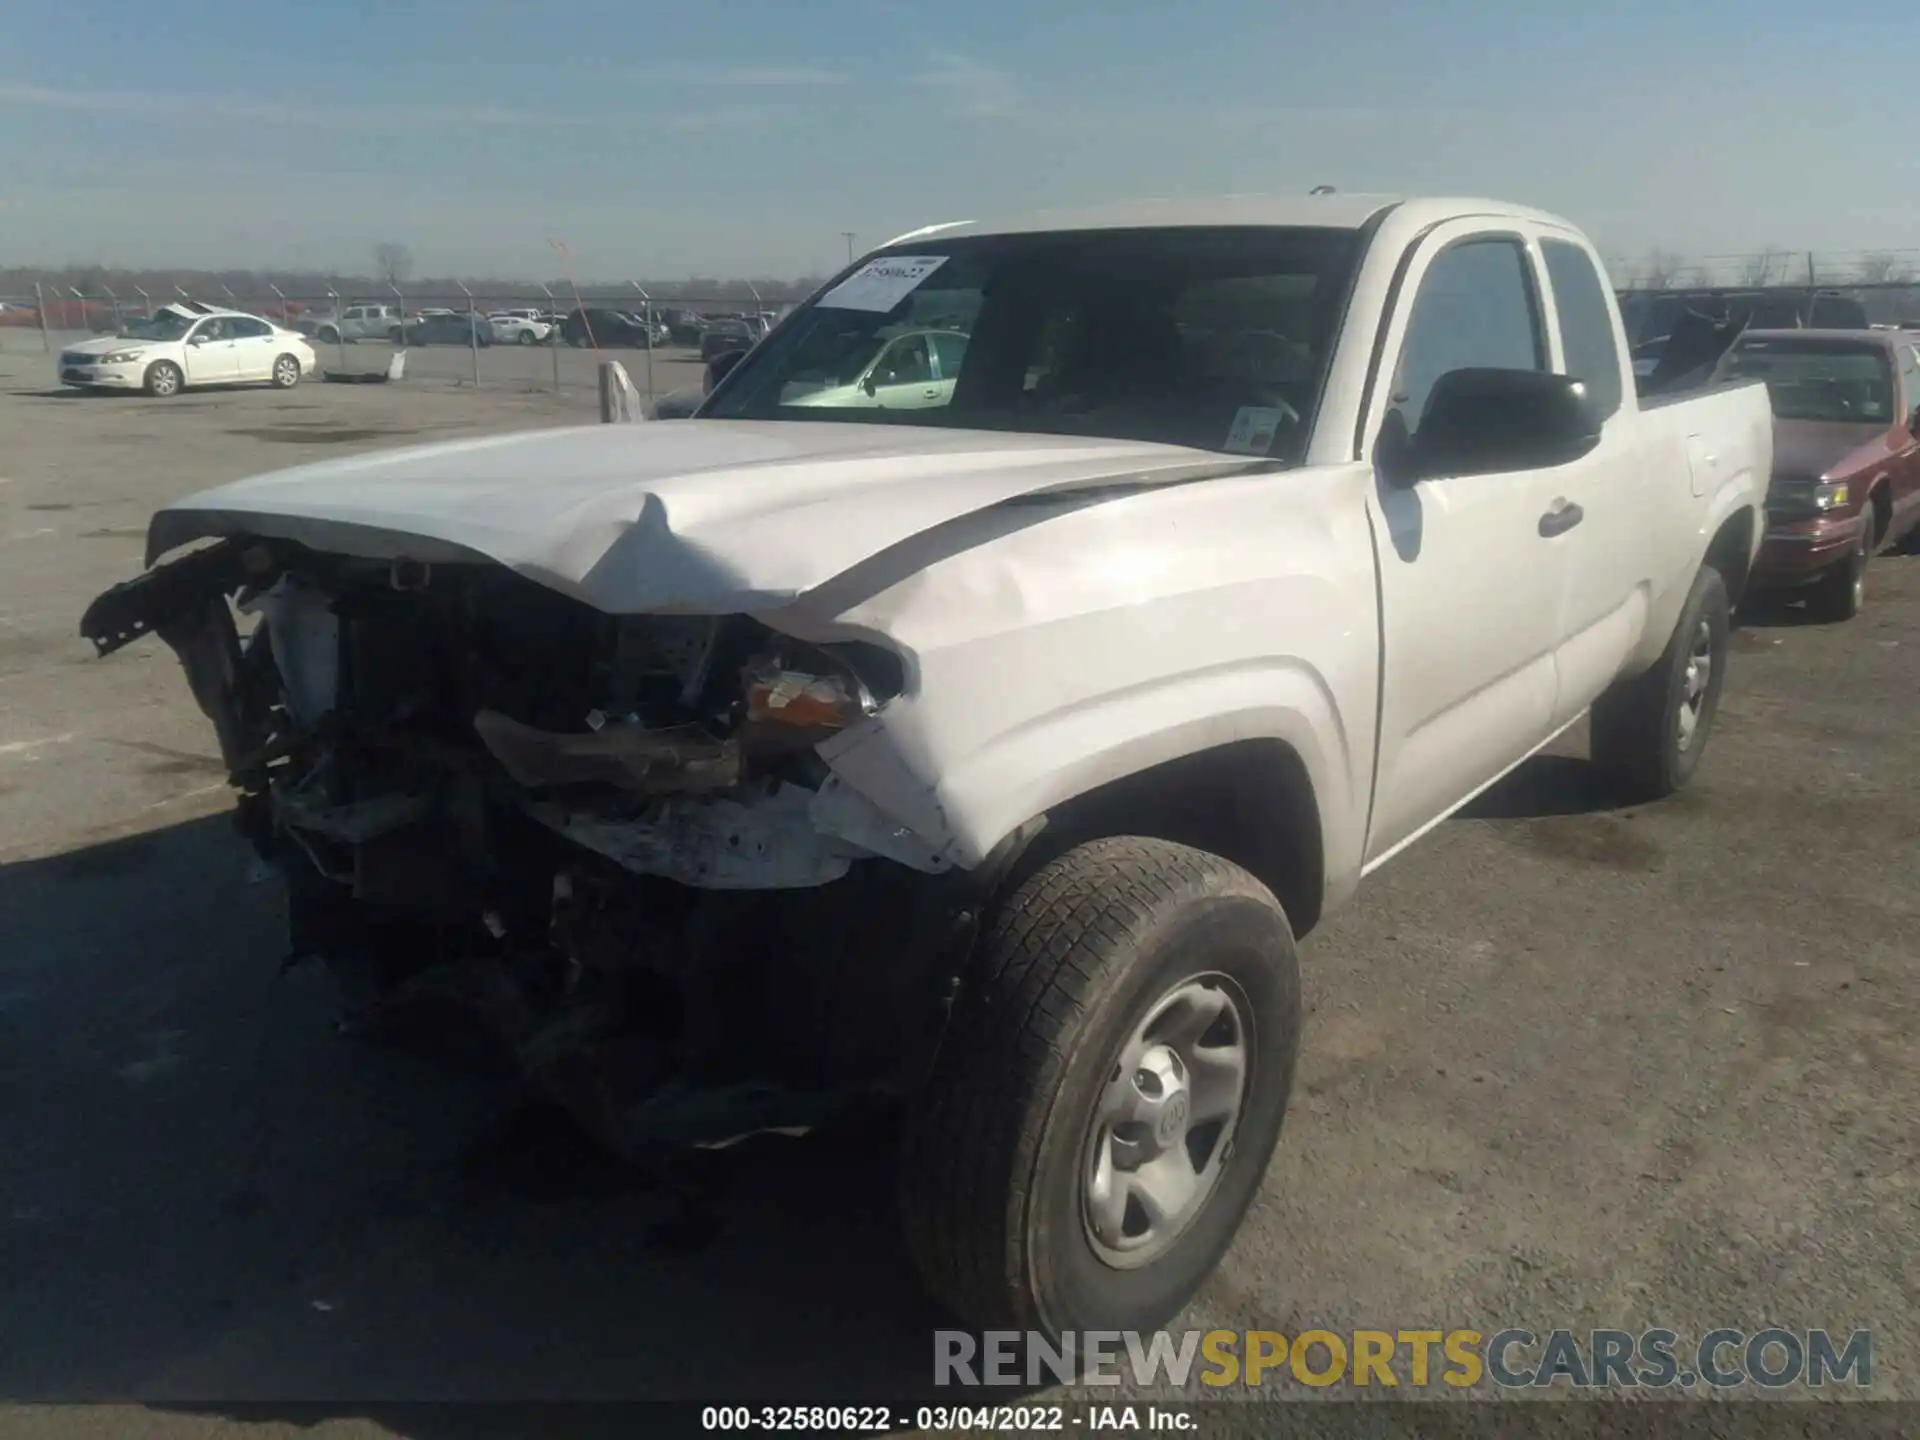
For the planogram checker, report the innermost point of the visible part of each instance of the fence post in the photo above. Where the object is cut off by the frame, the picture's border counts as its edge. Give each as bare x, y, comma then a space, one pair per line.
113, 300
553, 336
401, 302
647, 317
86, 320
473, 337
146, 301
285, 321
339, 335
40, 310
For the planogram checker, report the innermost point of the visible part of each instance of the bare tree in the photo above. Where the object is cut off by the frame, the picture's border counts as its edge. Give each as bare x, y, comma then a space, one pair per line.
1882, 267
1661, 271
1766, 267
393, 262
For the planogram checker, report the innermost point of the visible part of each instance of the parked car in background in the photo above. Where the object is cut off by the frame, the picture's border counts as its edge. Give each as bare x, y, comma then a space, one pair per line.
362, 321
1846, 456
522, 327
596, 326
726, 333
455, 327
684, 327
988, 756
177, 349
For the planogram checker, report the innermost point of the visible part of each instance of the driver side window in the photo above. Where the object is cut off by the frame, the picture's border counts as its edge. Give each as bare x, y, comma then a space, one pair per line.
1476, 308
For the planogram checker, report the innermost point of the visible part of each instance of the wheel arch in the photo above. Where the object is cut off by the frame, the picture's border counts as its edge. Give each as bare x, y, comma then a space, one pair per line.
1731, 551
1252, 802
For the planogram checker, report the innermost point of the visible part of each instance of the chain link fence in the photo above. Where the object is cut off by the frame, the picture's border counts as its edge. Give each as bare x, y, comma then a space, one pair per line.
521, 338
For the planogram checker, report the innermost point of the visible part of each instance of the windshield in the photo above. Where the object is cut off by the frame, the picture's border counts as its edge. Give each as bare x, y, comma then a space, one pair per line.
1810, 380
1211, 338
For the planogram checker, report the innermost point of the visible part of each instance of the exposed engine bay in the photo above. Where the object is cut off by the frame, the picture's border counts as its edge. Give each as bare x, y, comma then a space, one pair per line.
610, 840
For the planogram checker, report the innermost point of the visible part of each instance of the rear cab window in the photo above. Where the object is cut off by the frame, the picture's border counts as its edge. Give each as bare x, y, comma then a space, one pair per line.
1587, 339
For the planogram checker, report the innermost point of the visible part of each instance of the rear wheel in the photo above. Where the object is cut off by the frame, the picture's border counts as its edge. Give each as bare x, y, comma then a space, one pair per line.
1840, 594
164, 379
1649, 732
1107, 1094
286, 372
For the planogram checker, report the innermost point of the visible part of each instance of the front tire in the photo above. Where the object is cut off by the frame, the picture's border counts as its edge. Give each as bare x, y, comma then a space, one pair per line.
327, 335
1649, 732
1108, 1092
526, 337
163, 380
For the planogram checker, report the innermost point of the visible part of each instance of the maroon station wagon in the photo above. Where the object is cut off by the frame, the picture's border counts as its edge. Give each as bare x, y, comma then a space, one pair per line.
1846, 456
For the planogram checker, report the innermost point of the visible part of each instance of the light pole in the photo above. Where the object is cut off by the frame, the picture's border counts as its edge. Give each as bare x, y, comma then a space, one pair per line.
847, 235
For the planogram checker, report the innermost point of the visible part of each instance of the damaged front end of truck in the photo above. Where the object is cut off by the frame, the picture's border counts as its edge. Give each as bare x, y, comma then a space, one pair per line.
611, 840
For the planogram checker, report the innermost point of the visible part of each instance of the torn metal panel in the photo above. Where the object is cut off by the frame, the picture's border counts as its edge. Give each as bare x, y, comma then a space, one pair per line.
628, 756
766, 841
838, 810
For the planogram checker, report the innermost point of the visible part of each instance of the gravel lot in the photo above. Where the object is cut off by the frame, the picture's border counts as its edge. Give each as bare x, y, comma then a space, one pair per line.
1565, 1066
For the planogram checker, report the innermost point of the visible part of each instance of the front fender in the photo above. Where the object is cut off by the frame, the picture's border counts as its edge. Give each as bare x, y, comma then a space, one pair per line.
974, 802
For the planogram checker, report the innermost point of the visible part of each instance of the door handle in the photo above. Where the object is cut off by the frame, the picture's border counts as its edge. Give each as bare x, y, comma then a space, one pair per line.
1561, 518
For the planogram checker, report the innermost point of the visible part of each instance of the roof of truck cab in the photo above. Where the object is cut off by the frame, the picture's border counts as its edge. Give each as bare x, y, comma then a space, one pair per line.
1334, 211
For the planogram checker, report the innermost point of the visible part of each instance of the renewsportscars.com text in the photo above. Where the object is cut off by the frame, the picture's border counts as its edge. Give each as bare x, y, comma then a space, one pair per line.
1719, 1360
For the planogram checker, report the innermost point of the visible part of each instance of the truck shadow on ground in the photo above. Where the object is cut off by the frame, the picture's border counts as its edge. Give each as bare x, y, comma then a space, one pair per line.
1545, 786
214, 1203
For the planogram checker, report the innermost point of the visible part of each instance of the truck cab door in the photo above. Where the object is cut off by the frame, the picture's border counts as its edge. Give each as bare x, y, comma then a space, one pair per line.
1606, 562
1469, 589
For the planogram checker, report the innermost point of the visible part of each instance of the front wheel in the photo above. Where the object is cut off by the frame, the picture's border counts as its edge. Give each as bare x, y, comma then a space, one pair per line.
527, 337
1649, 732
164, 379
1108, 1092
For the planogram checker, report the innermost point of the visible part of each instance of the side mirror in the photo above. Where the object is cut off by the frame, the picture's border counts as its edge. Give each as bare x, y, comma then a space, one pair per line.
721, 366
871, 383
1913, 421
1489, 422
199, 339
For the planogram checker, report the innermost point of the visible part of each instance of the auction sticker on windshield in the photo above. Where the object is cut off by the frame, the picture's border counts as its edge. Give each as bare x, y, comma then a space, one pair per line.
881, 284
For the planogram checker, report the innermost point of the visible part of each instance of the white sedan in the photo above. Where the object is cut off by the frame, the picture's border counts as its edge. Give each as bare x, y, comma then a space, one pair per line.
175, 349
518, 327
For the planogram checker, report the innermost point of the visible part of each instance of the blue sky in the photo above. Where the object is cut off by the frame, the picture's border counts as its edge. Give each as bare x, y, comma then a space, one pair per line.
743, 137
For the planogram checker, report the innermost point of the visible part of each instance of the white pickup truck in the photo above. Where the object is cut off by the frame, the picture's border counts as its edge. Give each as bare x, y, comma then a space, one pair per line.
992, 754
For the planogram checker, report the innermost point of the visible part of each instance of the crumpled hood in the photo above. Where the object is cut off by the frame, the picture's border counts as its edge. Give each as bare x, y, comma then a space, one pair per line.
703, 516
